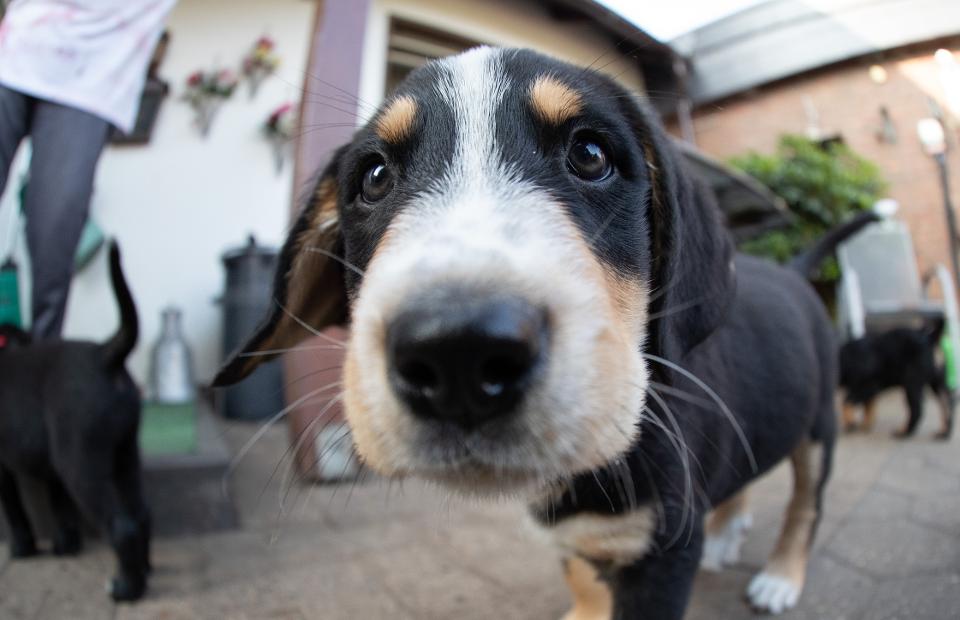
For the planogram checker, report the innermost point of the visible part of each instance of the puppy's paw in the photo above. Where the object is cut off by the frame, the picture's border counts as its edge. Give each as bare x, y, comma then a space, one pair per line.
723, 548
22, 548
942, 435
127, 588
772, 593
901, 434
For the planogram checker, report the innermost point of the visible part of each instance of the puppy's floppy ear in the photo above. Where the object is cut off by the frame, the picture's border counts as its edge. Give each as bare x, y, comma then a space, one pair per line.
693, 273
308, 289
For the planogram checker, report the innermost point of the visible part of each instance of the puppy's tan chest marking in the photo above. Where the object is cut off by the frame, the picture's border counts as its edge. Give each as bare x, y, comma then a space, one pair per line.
553, 101
620, 539
592, 599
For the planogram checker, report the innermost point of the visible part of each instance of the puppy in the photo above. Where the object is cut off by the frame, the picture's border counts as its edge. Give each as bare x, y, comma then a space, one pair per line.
901, 357
69, 416
544, 304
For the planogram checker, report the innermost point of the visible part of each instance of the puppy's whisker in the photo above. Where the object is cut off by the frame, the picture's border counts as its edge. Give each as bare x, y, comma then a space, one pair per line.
306, 326
706, 404
723, 406
333, 256
684, 395
294, 448
288, 350
678, 308
289, 479
682, 451
235, 461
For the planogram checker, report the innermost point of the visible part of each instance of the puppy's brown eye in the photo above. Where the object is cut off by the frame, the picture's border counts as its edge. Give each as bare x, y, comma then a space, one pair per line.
377, 182
587, 159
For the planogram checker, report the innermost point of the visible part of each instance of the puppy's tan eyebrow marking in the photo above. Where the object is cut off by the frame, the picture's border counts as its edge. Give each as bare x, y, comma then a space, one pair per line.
396, 121
553, 101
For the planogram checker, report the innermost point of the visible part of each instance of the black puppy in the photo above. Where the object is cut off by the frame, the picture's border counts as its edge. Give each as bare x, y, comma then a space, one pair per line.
898, 358
69, 416
543, 303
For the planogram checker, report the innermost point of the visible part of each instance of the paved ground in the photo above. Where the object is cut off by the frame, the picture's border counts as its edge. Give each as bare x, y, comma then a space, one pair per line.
889, 548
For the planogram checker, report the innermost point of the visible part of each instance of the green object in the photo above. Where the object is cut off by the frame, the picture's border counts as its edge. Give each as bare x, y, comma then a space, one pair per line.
91, 238
10, 295
168, 429
950, 361
823, 183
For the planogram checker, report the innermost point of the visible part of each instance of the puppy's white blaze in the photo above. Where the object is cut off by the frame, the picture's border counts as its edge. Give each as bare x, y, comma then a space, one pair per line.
482, 229
473, 86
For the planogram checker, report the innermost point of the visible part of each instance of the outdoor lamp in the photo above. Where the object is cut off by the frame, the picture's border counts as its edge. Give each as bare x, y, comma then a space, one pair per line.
934, 141
931, 135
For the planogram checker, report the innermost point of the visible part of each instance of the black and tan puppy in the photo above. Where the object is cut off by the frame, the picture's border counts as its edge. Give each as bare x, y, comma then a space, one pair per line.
903, 358
69, 415
543, 304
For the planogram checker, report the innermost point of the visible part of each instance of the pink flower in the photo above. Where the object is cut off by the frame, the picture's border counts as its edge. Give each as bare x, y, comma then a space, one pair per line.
195, 79
264, 43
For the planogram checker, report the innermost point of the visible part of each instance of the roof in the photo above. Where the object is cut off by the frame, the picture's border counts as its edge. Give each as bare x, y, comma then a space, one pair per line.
782, 38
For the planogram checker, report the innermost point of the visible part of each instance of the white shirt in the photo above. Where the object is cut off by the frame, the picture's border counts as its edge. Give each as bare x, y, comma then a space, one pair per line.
88, 54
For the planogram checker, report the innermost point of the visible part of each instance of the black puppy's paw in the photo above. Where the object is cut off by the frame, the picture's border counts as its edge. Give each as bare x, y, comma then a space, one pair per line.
67, 542
127, 588
22, 548
942, 435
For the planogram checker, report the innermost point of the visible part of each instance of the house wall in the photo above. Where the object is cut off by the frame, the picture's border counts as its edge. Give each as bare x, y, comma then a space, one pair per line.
177, 203
848, 103
494, 22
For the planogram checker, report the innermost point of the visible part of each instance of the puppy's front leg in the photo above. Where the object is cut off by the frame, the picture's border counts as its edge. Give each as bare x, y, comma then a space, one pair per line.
657, 587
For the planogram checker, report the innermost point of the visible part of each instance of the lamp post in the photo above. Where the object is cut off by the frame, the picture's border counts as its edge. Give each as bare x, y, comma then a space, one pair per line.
932, 137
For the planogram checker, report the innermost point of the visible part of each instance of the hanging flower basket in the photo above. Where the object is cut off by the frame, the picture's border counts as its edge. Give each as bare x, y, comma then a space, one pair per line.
279, 130
206, 91
260, 63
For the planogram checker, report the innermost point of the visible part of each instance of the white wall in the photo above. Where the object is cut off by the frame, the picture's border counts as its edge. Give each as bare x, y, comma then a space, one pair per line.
176, 204
505, 23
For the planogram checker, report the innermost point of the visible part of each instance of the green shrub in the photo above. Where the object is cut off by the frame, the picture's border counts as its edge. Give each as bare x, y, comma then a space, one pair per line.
822, 184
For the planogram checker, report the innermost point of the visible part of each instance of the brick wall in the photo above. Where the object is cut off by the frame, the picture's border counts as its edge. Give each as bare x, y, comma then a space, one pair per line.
848, 103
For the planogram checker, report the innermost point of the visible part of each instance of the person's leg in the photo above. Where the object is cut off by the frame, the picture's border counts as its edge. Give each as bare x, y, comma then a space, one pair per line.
66, 146
14, 120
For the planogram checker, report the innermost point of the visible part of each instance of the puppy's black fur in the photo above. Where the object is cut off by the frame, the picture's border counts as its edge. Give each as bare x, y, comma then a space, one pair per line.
754, 333
69, 416
898, 358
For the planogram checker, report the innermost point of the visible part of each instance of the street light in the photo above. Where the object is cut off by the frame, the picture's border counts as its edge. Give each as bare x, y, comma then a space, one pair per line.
934, 141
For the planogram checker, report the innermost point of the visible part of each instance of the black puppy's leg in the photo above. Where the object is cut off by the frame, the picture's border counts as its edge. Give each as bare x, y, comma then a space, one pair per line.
914, 394
945, 398
130, 493
778, 586
96, 492
657, 587
22, 542
67, 539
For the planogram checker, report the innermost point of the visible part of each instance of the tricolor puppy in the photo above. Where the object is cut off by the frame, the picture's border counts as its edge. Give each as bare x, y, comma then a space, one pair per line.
543, 304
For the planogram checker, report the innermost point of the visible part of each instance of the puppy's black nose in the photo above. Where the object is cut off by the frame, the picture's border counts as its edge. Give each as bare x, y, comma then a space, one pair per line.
466, 359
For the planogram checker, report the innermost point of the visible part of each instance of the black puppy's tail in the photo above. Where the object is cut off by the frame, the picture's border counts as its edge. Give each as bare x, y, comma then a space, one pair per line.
807, 262
116, 350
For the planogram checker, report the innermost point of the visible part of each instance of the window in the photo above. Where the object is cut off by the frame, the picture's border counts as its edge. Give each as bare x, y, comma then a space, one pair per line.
412, 45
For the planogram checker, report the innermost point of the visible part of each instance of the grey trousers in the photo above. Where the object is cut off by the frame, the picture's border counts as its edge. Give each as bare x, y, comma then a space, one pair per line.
66, 146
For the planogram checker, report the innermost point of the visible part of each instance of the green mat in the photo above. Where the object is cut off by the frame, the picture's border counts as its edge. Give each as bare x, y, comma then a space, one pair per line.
168, 429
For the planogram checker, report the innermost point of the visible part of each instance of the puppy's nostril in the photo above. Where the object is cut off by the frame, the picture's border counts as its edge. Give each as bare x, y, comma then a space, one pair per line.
499, 372
419, 376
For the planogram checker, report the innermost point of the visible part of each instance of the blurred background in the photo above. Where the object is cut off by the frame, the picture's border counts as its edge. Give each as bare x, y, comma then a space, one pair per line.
799, 112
